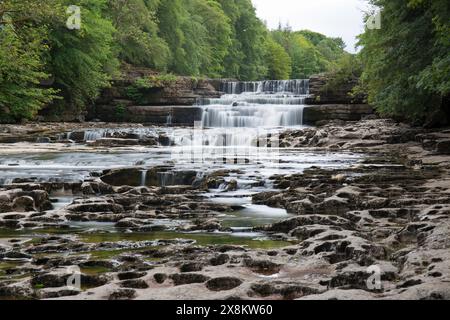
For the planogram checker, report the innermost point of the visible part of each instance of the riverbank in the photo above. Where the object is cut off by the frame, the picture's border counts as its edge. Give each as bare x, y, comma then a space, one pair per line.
387, 212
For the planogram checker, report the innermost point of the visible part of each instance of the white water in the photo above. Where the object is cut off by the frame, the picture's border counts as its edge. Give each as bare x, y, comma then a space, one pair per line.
264, 104
299, 87
238, 132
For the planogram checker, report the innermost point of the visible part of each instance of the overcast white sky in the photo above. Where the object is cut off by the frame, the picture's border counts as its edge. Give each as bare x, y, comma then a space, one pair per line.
334, 18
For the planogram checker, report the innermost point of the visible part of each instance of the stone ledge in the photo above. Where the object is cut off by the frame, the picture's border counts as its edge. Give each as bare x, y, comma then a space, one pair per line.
346, 112
163, 115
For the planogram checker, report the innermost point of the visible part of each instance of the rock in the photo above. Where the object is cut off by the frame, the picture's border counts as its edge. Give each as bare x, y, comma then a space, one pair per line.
95, 205
15, 292
134, 284
15, 255
443, 147
339, 294
128, 223
5, 202
355, 277
131, 275
123, 294
262, 266
286, 290
191, 267
346, 112
232, 185
160, 277
113, 142
219, 260
223, 283
310, 220
23, 204
53, 294
188, 278
50, 280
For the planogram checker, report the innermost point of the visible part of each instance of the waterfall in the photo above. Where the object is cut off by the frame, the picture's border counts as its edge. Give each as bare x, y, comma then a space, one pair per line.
143, 178
166, 178
270, 103
298, 87
169, 120
242, 126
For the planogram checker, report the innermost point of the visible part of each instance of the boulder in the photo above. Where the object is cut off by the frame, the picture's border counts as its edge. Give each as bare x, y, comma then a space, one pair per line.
23, 204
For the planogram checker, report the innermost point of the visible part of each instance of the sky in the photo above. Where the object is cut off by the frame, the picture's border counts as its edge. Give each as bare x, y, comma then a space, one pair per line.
334, 18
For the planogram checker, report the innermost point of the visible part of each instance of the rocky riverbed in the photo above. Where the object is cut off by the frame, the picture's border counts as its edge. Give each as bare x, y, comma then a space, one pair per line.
140, 231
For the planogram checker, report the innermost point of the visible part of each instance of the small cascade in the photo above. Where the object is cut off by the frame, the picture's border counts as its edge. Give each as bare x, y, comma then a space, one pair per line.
125, 133
169, 120
166, 178
144, 178
93, 135
297, 87
252, 116
271, 103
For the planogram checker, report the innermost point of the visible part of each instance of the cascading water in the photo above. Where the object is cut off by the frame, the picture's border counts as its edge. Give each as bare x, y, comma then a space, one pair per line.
243, 124
143, 178
271, 103
297, 87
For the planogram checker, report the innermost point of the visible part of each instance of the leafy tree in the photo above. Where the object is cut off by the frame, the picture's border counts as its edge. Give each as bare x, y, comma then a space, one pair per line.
171, 14
22, 69
278, 61
215, 27
82, 61
137, 33
246, 56
407, 62
310, 52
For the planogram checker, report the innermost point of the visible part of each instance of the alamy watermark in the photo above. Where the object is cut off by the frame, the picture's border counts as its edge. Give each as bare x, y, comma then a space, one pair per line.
73, 282
74, 20
374, 21
373, 282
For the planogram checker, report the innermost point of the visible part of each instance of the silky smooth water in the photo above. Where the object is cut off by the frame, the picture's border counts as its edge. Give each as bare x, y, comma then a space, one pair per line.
238, 132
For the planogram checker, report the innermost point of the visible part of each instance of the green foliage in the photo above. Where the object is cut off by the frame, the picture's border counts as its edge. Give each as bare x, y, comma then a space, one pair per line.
347, 69
137, 33
120, 111
245, 59
82, 61
407, 62
310, 52
21, 64
278, 61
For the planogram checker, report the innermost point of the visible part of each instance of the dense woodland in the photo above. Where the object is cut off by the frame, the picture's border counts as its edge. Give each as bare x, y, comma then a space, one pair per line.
404, 67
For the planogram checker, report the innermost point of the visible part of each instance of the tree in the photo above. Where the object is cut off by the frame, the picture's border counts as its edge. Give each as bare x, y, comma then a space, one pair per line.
136, 34
245, 59
310, 52
214, 26
22, 47
21, 70
82, 61
171, 14
407, 62
278, 61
